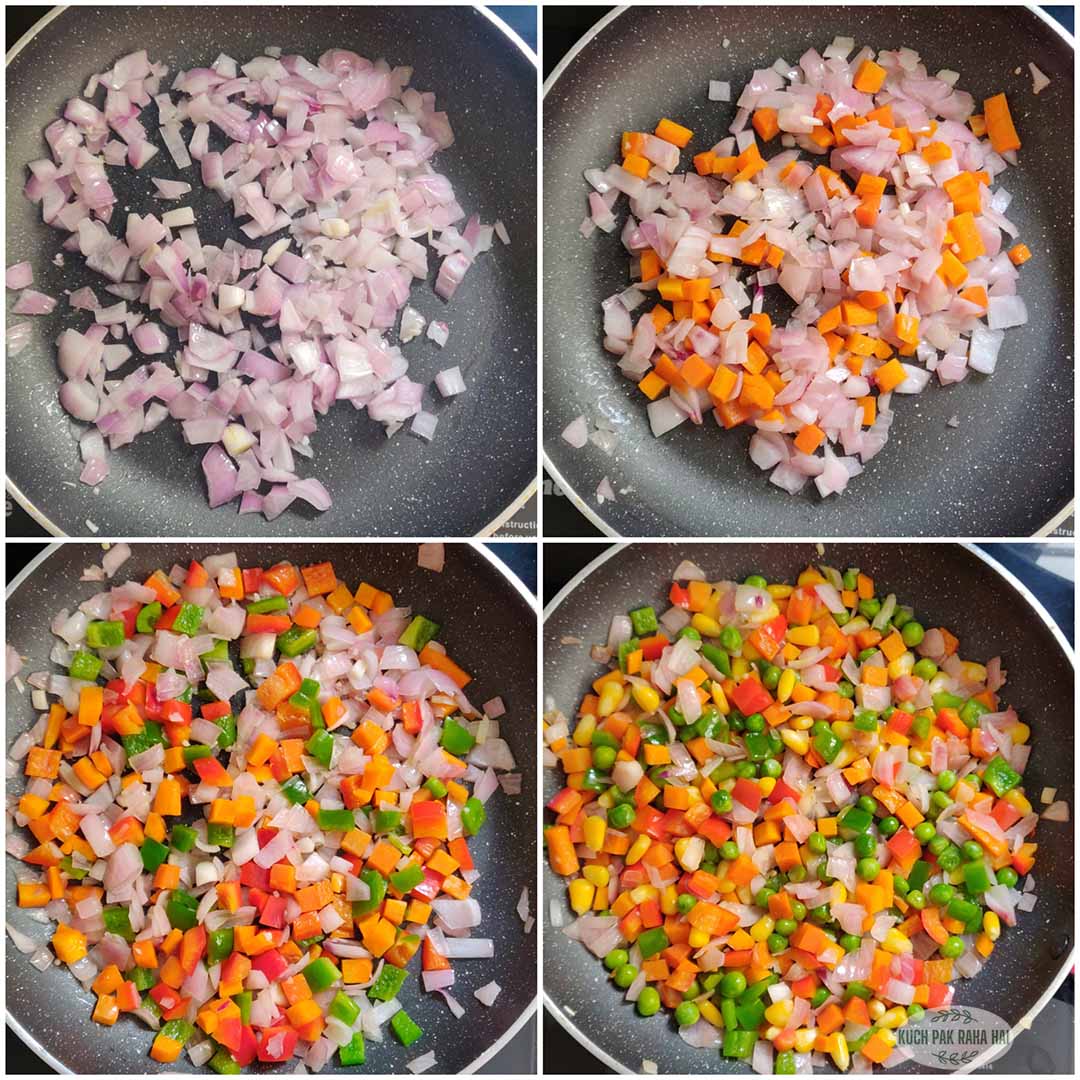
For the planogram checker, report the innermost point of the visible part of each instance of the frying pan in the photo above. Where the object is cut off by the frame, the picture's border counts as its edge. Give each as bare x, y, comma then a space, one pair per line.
952, 585
1006, 471
490, 627
481, 465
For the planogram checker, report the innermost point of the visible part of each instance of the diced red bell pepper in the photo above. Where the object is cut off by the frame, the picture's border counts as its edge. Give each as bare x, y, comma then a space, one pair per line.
167, 618
410, 717
128, 997
152, 707
679, 596
192, 948
228, 1033
675, 824
653, 647
1024, 859
783, 791
751, 697
903, 846
939, 996
831, 673
175, 711
716, 830
900, 721
1005, 814
633, 876
165, 996
777, 628
748, 793
271, 963
215, 710
429, 888
267, 624
431, 959
651, 915
212, 772
254, 876
651, 821
197, 577
252, 580
273, 912
248, 1048
177, 1011
129, 615
258, 898
277, 1043
565, 800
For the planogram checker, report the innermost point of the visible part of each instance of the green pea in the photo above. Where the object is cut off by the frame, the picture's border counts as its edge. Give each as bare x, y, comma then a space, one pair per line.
925, 668
924, 832
952, 947
867, 803
786, 927
941, 893
616, 958
731, 639
865, 654
625, 975
868, 869
887, 826
1008, 876
850, 942
842, 618
772, 768
690, 632
869, 608
746, 770
603, 758
821, 995
900, 885
721, 801
685, 903
938, 801
687, 1014
845, 689
732, 984
755, 723
971, 850
850, 580
915, 1010
729, 851
694, 990
798, 909
763, 896
946, 780
797, 874
938, 844
817, 843
619, 817
648, 1003
949, 859
770, 677
916, 899
912, 633
756, 581
776, 943
864, 845
820, 915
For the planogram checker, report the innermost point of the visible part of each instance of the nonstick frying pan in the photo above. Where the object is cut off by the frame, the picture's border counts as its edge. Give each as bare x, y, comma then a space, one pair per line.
1006, 471
490, 626
948, 585
481, 465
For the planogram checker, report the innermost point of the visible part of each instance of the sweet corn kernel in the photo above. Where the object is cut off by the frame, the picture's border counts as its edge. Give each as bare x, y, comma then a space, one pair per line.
720, 699
595, 829
597, 875
896, 943
669, 900
739, 667
725, 886
902, 665
972, 672
581, 895
805, 1039
838, 1051
798, 742
888, 1037
643, 893
767, 784
991, 924
779, 1013
876, 1009
1020, 734
802, 723
786, 685
894, 1018
919, 757
711, 1013
844, 730
763, 928
804, 636
698, 939
705, 625
839, 893
645, 697
611, 695
779, 592
690, 850
583, 733
637, 849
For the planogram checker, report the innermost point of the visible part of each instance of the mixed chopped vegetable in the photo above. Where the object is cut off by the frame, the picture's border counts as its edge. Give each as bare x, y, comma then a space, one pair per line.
249, 804
793, 816
881, 217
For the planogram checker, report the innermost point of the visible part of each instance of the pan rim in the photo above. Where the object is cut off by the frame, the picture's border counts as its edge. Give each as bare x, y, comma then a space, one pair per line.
553, 1008
583, 507
519, 587
492, 526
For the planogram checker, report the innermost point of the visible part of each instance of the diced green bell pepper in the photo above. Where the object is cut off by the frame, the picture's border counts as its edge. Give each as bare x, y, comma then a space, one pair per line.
143, 978
436, 787
920, 874
243, 1003
321, 747
182, 837
854, 819
757, 746
717, 657
387, 821
84, 665
268, 606
74, 872
182, 909
118, 921
219, 945
352, 1053
827, 744
738, 1044
142, 740
177, 1030
962, 909
643, 620
407, 879
418, 633
376, 884
227, 737
750, 1015
296, 640
147, 618
455, 738
153, 854
652, 941
971, 711
219, 654
223, 836
473, 816
188, 619
320, 974
105, 634
999, 776
405, 1028
944, 700
344, 1008
295, 790
389, 982
336, 820
625, 649
224, 1063
976, 877
194, 753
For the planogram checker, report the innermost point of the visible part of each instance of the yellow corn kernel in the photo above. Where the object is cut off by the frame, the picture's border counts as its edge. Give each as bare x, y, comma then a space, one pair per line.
802, 723
876, 1009
597, 875
690, 850
606, 801
844, 730
972, 672
669, 900
581, 895
983, 945
644, 893
779, 1013
705, 625
805, 1039
611, 695
645, 697
810, 577
894, 1018
902, 665
595, 829
711, 1013
803, 636
583, 733
1020, 733
839, 893
739, 667
637, 849
767, 783
763, 928
838, 1051
725, 886
798, 742
919, 757
698, 939
896, 943
779, 592
992, 925
720, 699
888, 1037
786, 685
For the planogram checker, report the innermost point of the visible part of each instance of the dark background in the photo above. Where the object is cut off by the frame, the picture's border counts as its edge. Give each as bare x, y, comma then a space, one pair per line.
1038, 1050
563, 26
519, 1056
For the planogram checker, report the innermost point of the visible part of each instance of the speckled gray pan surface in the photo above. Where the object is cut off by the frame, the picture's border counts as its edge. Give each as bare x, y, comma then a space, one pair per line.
490, 629
1006, 471
947, 585
483, 455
